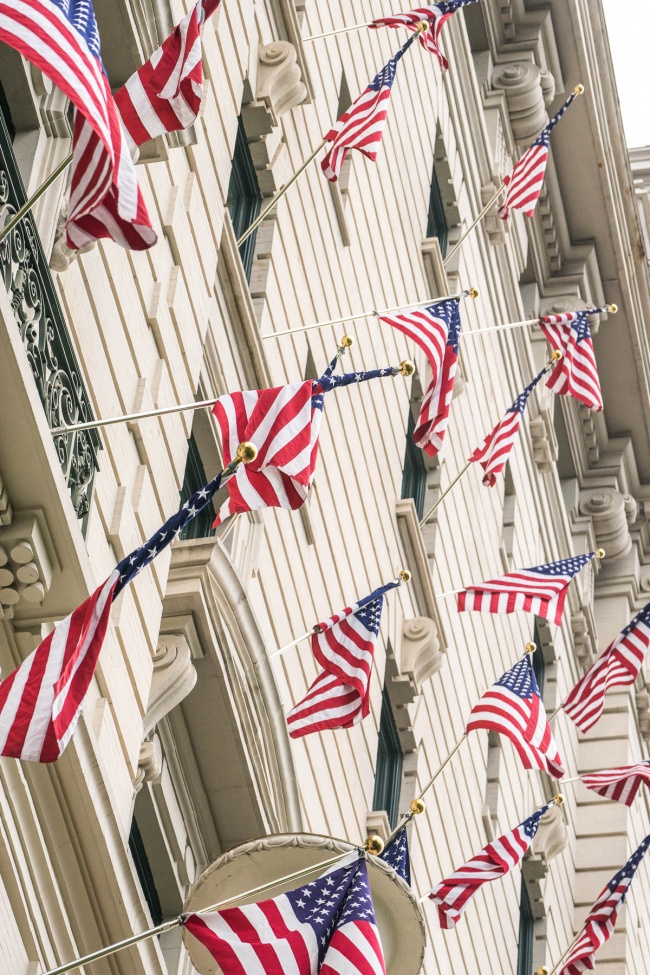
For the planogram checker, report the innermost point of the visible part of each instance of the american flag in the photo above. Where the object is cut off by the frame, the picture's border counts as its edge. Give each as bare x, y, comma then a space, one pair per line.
620, 784
513, 707
576, 374
437, 15
164, 95
326, 926
524, 184
436, 329
344, 647
41, 701
61, 38
493, 862
362, 125
494, 451
601, 921
396, 855
541, 590
617, 666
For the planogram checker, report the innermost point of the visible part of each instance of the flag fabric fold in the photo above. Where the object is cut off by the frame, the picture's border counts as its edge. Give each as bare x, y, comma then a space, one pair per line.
362, 125
541, 589
493, 862
576, 374
620, 784
513, 707
397, 856
436, 329
493, 453
617, 666
437, 16
601, 920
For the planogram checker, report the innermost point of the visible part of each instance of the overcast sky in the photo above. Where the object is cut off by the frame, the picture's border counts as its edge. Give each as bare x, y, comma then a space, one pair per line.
628, 24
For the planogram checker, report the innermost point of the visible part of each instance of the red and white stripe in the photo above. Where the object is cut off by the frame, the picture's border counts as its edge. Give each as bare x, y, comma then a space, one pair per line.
355, 949
522, 590
525, 183
620, 784
360, 127
493, 453
40, 702
576, 374
429, 39
329, 703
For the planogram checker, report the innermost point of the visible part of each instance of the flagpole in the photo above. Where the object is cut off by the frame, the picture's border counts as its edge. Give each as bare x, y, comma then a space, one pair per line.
43, 188
130, 417
610, 309
485, 209
341, 30
229, 527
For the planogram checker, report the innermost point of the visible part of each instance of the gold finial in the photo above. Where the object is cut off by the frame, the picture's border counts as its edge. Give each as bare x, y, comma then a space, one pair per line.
422, 26
374, 845
579, 90
531, 647
543, 970
473, 292
559, 799
417, 806
612, 309
404, 575
600, 553
347, 342
556, 355
406, 367
246, 452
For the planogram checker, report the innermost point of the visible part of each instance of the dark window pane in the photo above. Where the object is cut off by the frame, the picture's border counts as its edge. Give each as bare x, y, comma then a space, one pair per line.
414, 475
526, 924
244, 198
539, 665
6, 114
145, 876
195, 478
388, 774
437, 222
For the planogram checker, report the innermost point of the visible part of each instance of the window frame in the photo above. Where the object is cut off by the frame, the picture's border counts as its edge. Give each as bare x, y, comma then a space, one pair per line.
389, 765
244, 198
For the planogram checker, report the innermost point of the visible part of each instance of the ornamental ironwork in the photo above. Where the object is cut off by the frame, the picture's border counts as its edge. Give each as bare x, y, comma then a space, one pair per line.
44, 333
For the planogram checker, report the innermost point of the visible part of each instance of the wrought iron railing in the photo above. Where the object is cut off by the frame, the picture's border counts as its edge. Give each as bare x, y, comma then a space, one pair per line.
39, 317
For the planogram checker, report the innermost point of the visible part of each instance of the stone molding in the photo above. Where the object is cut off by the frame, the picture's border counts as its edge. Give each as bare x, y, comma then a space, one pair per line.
173, 677
27, 563
422, 655
526, 88
609, 510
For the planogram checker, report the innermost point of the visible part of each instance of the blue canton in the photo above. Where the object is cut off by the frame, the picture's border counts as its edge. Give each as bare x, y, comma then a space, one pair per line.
397, 856
563, 567
449, 311
519, 404
81, 15
370, 615
643, 616
531, 825
386, 77
520, 680
627, 872
358, 905
581, 326
450, 6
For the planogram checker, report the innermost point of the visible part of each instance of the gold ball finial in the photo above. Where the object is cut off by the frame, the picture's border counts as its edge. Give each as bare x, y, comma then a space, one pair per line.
374, 845
559, 799
406, 367
600, 553
556, 355
422, 26
417, 806
473, 292
612, 309
404, 575
542, 970
531, 647
579, 90
246, 452
347, 342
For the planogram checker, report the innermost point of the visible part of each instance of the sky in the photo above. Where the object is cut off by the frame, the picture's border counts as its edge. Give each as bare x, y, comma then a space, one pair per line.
628, 25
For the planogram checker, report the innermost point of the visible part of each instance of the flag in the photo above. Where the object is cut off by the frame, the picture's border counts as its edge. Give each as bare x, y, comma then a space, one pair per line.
436, 329
541, 590
344, 646
601, 921
362, 125
576, 374
620, 784
61, 38
396, 855
524, 184
493, 862
164, 95
617, 666
494, 451
513, 707
437, 15
326, 926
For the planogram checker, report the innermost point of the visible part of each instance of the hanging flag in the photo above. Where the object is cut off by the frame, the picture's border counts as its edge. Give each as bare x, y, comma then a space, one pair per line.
541, 590
620, 784
164, 95
362, 125
601, 921
494, 451
524, 184
576, 373
62, 40
436, 329
513, 707
617, 666
344, 646
437, 15
493, 862
326, 926
396, 855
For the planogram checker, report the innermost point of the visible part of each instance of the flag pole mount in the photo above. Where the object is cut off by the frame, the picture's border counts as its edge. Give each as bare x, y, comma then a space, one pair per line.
600, 553
406, 367
246, 452
374, 845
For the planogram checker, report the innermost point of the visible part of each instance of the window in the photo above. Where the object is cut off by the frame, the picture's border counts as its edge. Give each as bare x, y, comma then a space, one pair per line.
145, 876
437, 221
194, 479
526, 928
539, 664
5, 111
244, 198
414, 475
388, 771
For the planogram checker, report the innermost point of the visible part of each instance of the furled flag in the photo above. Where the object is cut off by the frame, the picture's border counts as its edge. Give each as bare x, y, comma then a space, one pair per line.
495, 449
344, 646
601, 921
362, 125
617, 666
524, 184
541, 590
493, 862
396, 855
437, 15
284, 424
61, 38
620, 784
513, 707
436, 329
164, 95
326, 926
576, 373
40, 702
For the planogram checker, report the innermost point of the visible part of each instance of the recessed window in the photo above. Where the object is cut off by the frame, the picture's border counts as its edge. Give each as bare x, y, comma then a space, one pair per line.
194, 479
145, 875
539, 664
244, 198
390, 759
437, 219
414, 474
526, 930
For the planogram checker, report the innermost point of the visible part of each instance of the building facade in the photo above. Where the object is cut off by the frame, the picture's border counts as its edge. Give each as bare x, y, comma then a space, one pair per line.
182, 750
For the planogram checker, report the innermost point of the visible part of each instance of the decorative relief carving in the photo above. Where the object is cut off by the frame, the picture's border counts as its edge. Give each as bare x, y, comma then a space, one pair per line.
149, 762
607, 508
278, 79
524, 87
25, 565
422, 655
173, 678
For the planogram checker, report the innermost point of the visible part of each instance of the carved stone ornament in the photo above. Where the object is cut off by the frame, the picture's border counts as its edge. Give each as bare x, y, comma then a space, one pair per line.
525, 88
607, 508
552, 835
422, 655
149, 762
278, 79
174, 676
